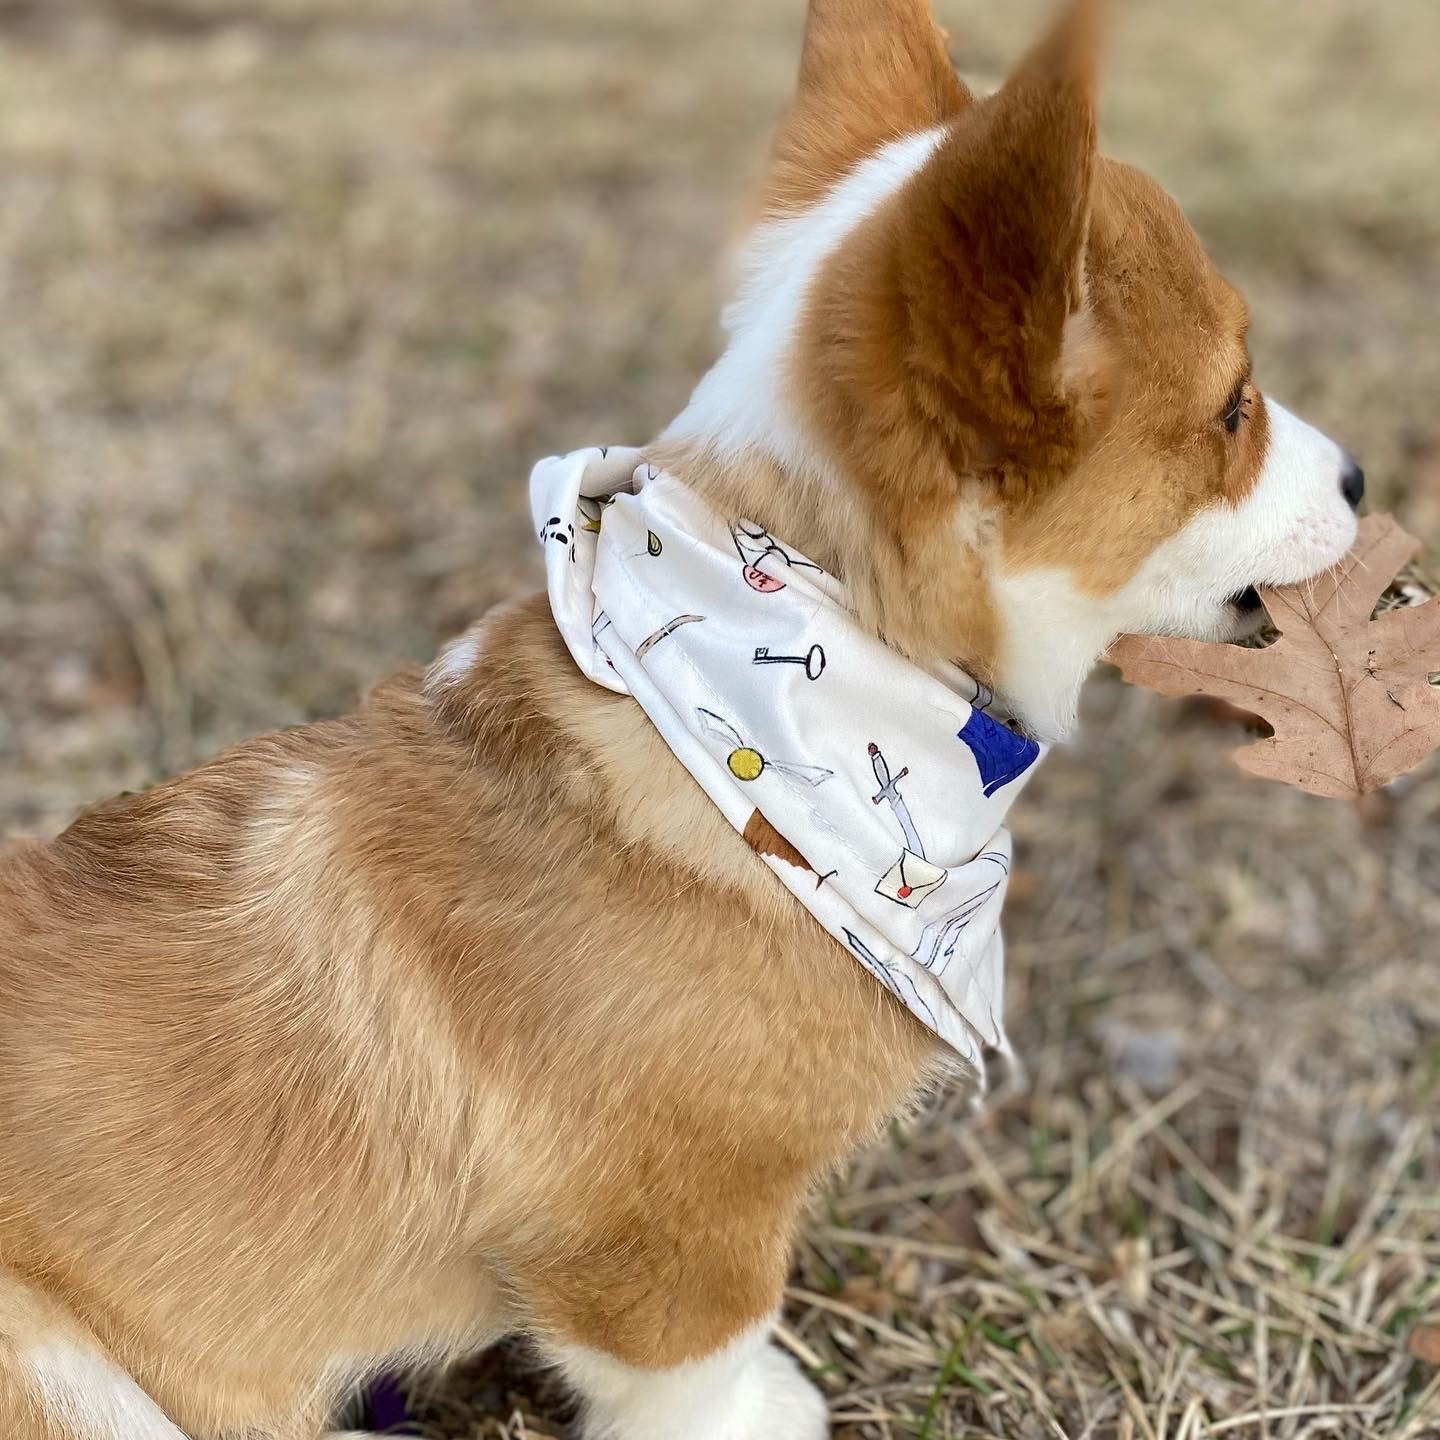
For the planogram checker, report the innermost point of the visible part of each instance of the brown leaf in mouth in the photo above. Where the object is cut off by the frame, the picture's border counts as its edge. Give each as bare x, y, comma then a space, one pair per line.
1348, 696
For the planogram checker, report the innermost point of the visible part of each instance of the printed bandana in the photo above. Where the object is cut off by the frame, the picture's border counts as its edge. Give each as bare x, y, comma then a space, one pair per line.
875, 789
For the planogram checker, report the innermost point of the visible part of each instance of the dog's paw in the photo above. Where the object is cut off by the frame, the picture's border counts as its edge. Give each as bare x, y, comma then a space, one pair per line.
747, 1391
789, 1406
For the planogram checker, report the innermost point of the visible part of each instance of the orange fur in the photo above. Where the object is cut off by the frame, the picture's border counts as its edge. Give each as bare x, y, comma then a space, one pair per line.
887, 58
1024, 312
1174, 336
290, 1079
284, 1073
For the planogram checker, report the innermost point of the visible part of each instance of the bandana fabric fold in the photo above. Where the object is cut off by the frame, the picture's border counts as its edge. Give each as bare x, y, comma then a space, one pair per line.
875, 790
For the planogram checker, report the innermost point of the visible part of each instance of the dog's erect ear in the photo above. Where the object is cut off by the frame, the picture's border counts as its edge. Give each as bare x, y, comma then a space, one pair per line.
873, 71
990, 245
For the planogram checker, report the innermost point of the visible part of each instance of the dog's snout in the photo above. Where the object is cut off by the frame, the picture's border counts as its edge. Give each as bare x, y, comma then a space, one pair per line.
1352, 482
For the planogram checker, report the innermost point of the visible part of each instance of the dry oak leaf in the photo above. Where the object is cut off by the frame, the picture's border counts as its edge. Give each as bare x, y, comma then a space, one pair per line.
1349, 698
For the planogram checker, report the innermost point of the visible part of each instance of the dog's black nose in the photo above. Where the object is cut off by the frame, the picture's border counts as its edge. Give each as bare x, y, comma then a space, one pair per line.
1352, 483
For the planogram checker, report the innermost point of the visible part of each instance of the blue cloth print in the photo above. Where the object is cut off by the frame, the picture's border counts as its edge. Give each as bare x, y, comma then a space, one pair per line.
1002, 755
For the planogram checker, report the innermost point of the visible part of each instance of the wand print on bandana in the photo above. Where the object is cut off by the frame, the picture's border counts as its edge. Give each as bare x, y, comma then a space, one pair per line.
753, 543
912, 877
665, 632
1002, 755
746, 763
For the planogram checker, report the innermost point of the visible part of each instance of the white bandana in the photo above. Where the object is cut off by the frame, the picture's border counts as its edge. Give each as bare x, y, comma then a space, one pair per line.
876, 790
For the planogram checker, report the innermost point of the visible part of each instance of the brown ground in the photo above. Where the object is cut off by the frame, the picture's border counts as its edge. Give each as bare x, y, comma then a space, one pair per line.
294, 291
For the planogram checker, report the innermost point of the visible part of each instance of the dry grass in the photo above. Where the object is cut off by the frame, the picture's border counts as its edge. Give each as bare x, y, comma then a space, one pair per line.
294, 290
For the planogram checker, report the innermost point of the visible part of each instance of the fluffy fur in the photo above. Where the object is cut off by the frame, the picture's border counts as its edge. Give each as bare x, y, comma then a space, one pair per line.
289, 1086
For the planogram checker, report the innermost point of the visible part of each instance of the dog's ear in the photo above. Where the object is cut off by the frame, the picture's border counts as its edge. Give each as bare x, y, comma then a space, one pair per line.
873, 71
990, 252
958, 314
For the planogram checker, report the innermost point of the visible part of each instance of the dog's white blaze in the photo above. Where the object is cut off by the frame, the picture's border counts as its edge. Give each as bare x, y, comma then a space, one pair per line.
1051, 636
739, 406
747, 1391
1295, 523
90, 1397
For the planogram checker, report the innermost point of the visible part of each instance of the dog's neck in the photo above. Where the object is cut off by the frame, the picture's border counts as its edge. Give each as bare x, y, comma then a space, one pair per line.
659, 596
803, 502
891, 587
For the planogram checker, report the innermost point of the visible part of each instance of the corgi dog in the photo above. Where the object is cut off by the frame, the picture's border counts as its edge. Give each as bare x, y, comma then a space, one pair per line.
468, 1013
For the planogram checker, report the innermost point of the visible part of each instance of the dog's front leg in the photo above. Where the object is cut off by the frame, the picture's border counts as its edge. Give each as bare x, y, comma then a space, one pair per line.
747, 1390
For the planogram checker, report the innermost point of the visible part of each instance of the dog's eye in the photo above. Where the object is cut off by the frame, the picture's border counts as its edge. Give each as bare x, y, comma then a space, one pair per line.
1237, 408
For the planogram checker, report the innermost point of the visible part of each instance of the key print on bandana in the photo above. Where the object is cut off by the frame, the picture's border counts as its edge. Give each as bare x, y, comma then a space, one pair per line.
1002, 755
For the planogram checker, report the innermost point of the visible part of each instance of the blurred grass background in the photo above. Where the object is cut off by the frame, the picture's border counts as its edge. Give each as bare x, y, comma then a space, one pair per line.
294, 291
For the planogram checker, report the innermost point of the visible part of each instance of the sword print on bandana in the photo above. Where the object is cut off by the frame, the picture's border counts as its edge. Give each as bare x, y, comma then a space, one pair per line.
912, 878
788, 713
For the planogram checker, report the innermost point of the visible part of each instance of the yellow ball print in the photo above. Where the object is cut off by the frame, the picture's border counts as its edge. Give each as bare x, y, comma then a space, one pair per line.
744, 761
746, 764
